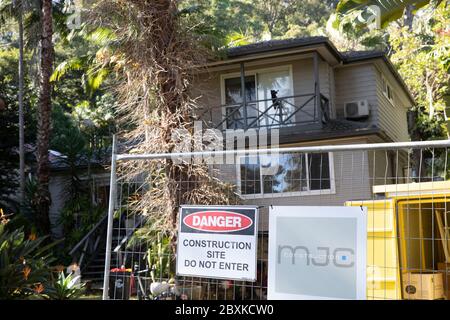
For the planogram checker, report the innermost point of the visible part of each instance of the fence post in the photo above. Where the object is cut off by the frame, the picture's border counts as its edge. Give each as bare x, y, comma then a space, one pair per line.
317, 100
109, 232
244, 97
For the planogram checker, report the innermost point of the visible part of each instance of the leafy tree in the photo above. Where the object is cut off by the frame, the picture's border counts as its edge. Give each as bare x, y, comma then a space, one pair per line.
222, 23
308, 18
15, 10
236, 22
385, 11
9, 130
421, 56
416, 45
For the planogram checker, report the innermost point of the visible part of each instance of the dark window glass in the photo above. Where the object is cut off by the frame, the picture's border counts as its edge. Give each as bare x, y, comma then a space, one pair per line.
389, 93
233, 93
290, 174
319, 171
233, 99
250, 176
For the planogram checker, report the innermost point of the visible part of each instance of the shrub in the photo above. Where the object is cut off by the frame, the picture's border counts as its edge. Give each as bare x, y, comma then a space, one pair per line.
24, 263
64, 288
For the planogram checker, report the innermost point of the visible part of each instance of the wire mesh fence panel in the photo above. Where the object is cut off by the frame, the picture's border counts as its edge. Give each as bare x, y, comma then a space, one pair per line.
404, 186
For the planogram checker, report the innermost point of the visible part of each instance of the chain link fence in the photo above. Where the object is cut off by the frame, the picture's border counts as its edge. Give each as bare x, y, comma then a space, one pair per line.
404, 185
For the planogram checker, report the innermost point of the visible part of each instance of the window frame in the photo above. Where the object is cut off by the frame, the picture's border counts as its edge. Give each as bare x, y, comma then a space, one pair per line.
387, 89
253, 72
309, 192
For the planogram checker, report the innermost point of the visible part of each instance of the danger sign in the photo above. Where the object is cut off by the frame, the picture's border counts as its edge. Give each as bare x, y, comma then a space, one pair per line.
217, 221
218, 242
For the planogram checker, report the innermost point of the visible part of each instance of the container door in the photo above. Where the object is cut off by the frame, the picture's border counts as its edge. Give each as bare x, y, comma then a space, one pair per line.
383, 270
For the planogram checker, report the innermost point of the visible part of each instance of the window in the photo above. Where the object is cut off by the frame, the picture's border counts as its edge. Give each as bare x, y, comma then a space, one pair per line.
260, 86
233, 94
292, 173
387, 89
233, 99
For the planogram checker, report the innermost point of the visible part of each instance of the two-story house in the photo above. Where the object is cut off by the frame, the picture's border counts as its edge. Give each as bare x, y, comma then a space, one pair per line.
314, 95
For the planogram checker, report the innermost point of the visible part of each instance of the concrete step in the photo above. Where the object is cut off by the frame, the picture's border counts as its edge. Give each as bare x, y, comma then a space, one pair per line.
95, 267
91, 274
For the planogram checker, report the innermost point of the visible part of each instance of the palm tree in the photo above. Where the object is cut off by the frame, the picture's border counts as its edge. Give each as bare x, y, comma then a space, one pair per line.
21, 122
43, 200
388, 10
36, 18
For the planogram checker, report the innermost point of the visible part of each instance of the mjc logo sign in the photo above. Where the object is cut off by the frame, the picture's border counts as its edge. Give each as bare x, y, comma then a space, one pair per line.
317, 252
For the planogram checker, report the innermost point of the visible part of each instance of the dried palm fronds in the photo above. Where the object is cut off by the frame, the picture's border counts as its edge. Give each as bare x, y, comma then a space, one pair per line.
155, 57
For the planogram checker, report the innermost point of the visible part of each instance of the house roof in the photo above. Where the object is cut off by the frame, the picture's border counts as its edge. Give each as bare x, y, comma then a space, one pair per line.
347, 57
282, 44
60, 162
351, 56
334, 128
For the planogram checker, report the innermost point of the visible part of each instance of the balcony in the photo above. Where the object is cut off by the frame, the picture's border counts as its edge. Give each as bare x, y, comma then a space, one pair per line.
298, 112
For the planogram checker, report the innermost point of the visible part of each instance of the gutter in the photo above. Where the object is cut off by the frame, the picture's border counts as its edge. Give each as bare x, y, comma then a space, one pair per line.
271, 52
307, 44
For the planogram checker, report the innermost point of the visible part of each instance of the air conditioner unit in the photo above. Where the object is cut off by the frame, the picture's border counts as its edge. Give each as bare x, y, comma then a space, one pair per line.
356, 109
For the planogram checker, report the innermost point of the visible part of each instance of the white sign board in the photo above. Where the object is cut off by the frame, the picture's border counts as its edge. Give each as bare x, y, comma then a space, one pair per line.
317, 252
218, 242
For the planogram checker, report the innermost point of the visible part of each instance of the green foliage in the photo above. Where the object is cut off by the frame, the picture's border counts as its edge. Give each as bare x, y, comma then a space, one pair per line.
76, 136
9, 129
64, 288
24, 263
421, 55
78, 217
158, 257
159, 252
81, 58
388, 10
227, 23
213, 21
418, 46
67, 137
429, 128
81, 115
79, 79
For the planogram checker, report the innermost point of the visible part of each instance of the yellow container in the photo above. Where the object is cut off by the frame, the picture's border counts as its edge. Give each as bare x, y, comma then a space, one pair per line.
403, 222
383, 276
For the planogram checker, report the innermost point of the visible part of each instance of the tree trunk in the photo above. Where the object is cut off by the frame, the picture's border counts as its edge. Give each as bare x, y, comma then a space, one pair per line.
44, 116
430, 99
408, 17
21, 116
417, 154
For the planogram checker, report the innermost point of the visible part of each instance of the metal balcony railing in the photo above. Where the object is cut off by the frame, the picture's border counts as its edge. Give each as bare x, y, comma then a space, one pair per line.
277, 112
